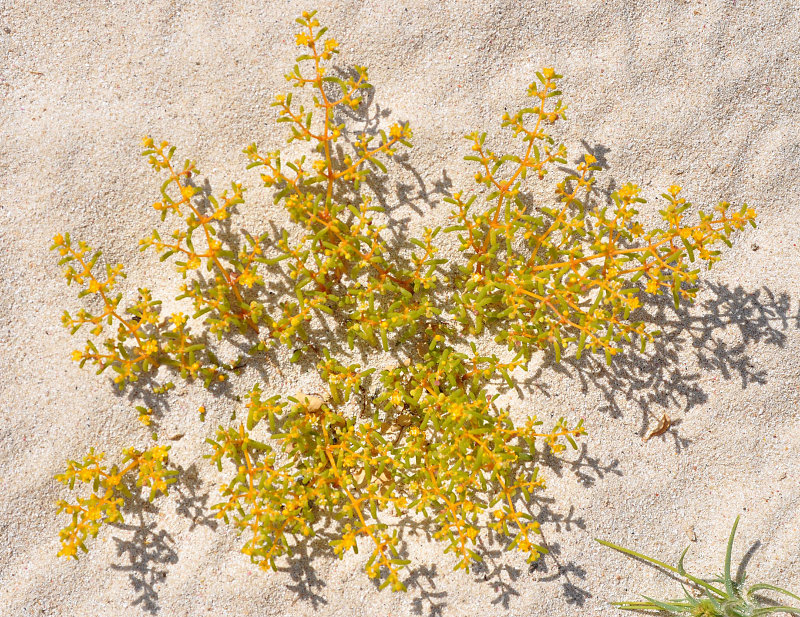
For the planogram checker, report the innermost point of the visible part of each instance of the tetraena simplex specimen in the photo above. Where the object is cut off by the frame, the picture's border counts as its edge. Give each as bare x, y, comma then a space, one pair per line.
431, 441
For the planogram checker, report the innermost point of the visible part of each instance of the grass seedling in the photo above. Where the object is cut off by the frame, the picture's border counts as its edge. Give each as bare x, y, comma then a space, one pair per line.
720, 596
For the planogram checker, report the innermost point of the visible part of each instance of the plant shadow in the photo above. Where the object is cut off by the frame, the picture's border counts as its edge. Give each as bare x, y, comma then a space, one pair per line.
306, 583
146, 556
501, 577
658, 382
144, 550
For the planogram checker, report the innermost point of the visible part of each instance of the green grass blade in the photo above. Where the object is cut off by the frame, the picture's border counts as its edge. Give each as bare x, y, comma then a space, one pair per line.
767, 586
673, 607
635, 606
697, 581
776, 609
728, 581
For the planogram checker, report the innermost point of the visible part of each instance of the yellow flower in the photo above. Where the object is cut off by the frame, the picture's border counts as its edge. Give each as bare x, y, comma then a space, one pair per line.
145, 418
150, 347
633, 302
178, 319
457, 410
247, 278
68, 550
330, 48
302, 39
629, 191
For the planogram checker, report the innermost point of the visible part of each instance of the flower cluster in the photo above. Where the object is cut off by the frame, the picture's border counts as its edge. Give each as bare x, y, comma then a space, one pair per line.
109, 488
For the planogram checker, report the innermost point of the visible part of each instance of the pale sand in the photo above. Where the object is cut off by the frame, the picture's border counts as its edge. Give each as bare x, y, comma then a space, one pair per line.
699, 93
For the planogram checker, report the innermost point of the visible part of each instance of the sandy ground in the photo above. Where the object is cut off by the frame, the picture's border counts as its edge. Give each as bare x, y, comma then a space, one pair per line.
699, 93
